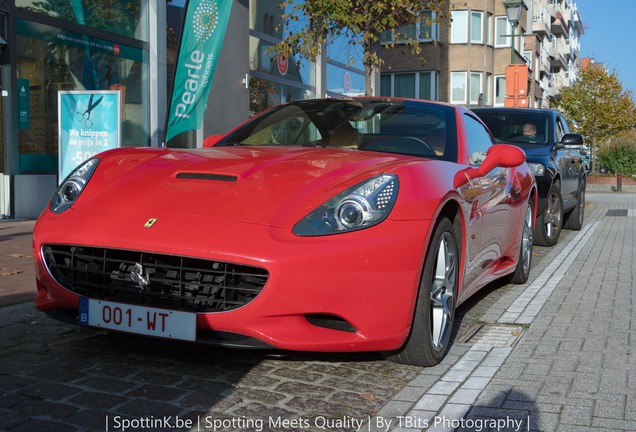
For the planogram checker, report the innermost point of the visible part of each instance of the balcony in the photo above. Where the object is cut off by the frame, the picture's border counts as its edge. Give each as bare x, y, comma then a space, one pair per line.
559, 25
541, 22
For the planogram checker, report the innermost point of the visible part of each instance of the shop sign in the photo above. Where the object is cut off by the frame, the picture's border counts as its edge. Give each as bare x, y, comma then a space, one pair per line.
89, 123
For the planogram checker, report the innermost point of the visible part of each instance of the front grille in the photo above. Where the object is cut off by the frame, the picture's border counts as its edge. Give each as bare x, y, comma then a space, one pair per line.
157, 280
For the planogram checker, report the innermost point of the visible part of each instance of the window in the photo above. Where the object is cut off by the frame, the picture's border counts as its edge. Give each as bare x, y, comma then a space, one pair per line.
459, 27
404, 85
458, 87
425, 30
502, 32
428, 85
475, 87
489, 30
500, 90
127, 18
419, 85
53, 59
479, 140
487, 87
429, 30
477, 27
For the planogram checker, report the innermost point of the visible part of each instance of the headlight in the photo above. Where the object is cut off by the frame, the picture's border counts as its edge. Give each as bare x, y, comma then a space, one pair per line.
72, 186
361, 206
537, 169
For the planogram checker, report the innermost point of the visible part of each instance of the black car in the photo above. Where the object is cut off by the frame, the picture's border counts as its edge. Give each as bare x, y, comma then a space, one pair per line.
553, 153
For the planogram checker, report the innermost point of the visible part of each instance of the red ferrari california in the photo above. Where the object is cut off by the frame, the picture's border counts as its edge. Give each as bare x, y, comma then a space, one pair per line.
355, 224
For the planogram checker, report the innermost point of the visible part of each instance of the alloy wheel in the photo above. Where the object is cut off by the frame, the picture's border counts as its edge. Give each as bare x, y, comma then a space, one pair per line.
442, 291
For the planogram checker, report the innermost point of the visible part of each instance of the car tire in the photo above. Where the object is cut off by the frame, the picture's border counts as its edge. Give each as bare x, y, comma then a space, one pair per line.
549, 223
522, 271
574, 220
432, 325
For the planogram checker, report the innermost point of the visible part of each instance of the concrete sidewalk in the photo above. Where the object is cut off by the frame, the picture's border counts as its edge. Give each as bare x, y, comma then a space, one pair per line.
559, 353
17, 279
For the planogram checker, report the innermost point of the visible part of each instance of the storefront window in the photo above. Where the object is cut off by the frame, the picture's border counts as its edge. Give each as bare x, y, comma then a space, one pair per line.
274, 79
50, 60
126, 18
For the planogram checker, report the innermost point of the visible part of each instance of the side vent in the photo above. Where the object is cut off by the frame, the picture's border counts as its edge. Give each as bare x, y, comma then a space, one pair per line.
331, 322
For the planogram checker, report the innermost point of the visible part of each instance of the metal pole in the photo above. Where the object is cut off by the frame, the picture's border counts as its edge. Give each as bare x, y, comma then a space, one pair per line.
512, 45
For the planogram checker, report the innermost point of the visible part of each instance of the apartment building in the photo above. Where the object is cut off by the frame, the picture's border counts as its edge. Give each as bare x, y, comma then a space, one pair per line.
464, 62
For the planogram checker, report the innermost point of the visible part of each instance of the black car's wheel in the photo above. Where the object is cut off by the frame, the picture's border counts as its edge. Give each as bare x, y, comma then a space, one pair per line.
522, 271
432, 325
549, 223
574, 220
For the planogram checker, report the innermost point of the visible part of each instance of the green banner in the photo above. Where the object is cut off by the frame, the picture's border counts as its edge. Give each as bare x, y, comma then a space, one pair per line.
201, 41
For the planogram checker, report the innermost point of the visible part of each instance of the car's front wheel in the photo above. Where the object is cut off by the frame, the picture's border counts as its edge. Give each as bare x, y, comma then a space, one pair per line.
432, 325
550, 222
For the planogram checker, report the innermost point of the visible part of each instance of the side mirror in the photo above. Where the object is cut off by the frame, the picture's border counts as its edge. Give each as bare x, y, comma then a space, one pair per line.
500, 155
572, 140
212, 140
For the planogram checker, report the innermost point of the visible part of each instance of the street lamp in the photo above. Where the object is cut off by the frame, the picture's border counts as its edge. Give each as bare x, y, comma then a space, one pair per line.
513, 12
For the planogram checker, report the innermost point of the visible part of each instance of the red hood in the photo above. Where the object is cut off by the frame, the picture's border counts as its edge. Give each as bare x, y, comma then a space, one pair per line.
266, 185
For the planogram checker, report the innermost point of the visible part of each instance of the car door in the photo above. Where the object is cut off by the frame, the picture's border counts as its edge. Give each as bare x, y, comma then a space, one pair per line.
569, 165
491, 221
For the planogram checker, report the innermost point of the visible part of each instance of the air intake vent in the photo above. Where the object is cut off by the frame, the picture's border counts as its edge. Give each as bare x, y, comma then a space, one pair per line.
203, 176
172, 282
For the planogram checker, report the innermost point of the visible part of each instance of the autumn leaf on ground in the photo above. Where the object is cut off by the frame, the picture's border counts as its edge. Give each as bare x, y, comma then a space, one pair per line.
9, 272
368, 396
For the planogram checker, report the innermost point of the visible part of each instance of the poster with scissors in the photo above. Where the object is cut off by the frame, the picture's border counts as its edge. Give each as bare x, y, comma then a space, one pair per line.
89, 123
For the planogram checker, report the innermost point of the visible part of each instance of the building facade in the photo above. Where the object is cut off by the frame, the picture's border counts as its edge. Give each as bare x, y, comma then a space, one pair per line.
464, 62
47, 46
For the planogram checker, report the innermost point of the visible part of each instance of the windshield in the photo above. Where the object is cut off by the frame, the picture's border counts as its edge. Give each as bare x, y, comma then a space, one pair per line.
393, 126
521, 127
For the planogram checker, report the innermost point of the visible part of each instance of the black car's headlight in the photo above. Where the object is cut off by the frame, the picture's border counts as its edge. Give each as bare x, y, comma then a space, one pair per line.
72, 186
361, 206
537, 169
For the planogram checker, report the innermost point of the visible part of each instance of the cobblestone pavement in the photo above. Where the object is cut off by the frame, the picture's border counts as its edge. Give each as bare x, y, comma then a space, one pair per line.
60, 377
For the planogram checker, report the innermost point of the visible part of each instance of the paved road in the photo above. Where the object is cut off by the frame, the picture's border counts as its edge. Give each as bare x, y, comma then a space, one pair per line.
553, 354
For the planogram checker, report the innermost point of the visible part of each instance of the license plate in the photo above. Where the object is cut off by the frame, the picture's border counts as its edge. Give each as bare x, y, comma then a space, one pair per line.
138, 319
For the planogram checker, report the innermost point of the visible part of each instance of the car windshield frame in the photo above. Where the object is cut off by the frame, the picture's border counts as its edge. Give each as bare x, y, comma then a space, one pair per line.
398, 126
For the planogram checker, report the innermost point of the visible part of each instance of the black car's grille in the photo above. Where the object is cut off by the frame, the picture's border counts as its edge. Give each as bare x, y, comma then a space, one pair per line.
149, 279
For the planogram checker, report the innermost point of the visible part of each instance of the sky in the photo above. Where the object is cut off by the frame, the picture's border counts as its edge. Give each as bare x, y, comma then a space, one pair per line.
610, 35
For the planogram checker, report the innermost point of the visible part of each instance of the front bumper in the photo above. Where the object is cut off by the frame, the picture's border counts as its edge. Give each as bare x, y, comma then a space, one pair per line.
346, 292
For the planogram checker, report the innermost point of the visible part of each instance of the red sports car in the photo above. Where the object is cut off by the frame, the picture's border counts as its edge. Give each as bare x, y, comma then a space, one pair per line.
319, 225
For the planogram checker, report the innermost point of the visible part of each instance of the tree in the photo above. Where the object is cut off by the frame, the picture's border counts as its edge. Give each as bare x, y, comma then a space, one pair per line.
362, 21
597, 106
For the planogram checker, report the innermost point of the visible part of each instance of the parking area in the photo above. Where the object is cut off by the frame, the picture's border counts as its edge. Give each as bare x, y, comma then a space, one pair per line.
553, 354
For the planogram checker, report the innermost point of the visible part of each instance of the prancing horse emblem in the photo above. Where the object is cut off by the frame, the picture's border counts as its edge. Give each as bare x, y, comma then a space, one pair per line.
150, 222
137, 275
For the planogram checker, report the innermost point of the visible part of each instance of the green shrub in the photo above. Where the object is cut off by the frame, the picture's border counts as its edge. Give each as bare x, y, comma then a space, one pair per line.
620, 158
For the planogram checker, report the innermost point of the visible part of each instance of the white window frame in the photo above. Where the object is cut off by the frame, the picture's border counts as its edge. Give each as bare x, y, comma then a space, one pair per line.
508, 31
494, 90
434, 83
489, 20
459, 27
462, 77
479, 40
479, 76
487, 89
